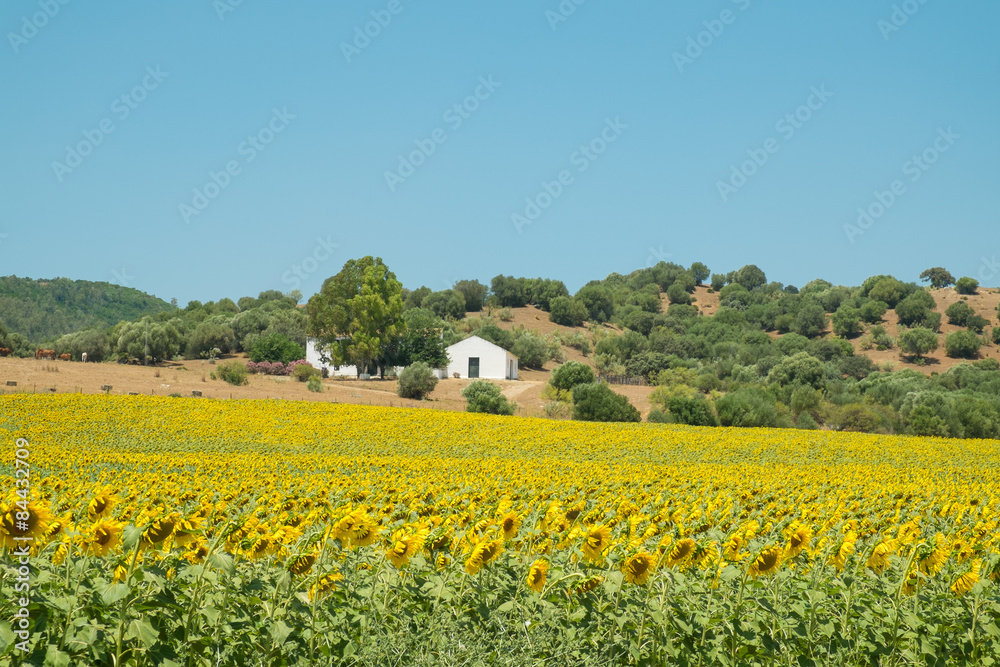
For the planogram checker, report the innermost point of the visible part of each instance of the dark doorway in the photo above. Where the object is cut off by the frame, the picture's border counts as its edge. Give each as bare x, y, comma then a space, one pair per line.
473, 367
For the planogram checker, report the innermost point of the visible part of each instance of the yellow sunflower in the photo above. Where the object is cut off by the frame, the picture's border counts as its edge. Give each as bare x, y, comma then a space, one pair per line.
23, 519
324, 585
965, 582
680, 553
881, 554
302, 564
510, 524
596, 541
101, 504
482, 555
799, 536
638, 567
160, 530
537, 575
766, 562
406, 545
104, 536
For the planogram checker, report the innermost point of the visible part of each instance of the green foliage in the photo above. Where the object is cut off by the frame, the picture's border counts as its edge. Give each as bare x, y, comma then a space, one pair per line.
718, 281
598, 301
959, 313
92, 341
45, 309
699, 272
210, 335
886, 289
597, 402
233, 372
413, 298
416, 381
938, 276
502, 337
445, 304
130, 340
568, 375
749, 407
474, 293
657, 416
873, 311
857, 417
847, 321
966, 285
750, 277
314, 384
276, 347
302, 372
918, 341
567, 311
531, 350
694, 410
915, 308
509, 291
357, 315
962, 344
485, 397
801, 368
677, 294
810, 321
806, 421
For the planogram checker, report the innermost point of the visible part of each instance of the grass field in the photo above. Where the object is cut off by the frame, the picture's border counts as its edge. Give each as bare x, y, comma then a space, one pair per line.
172, 531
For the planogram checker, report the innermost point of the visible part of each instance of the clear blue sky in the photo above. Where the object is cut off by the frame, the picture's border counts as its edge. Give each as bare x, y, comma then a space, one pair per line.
199, 80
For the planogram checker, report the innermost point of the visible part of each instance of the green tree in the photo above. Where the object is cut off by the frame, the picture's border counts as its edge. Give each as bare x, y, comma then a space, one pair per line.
873, 311
699, 272
598, 301
810, 321
959, 313
413, 298
416, 381
570, 374
938, 276
596, 402
695, 411
445, 304
918, 341
485, 397
802, 368
567, 311
531, 350
749, 406
677, 294
718, 281
164, 341
357, 315
966, 285
847, 321
208, 336
509, 291
886, 289
963, 344
276, 347
474, 293
751, 277
915, 309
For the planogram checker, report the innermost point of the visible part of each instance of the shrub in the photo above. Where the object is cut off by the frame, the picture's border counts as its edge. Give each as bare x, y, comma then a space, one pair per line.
483, 396
506, 315
677, 294
918, 341
881, 338
567, 311
857, 366
915, 308
847, 321
966, 285
963, 344
959, 313
857, 417
233, 372
207, 337
810, 320
416, 381
695, 411
872, 311
303, 371
805, 421
995, 332
275, 347
531, 350
597, 403
570, 374
268, 367
976, 323
658, 417
314, 384
748, 407
718, 281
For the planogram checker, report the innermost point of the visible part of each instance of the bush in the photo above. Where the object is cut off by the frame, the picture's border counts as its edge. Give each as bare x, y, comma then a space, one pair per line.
963, 344
810, 320
416, 381
915, 308
208, 336
718, 281
857, 417
966, 285
303, 371
596, 402
233, 372
275, 347
872, 311
570, 374
749, 407
567, 311
268, 367
657, 416
483, 396
695, 411
314, 384
805, 421
995, 332
918, 341
959, 313
976, 323
847, 322
677, 294
531, 350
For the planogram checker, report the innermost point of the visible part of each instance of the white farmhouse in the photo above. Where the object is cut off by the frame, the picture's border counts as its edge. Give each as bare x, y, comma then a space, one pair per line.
475, 357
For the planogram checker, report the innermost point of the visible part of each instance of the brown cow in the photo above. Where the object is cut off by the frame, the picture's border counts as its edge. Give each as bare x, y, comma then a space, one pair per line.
65, 357
42, 354
4, 352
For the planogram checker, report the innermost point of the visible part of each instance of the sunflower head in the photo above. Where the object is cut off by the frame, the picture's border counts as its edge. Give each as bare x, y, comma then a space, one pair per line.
766, 562
596, 540
638, 567
324, 585
537, 575
104, 536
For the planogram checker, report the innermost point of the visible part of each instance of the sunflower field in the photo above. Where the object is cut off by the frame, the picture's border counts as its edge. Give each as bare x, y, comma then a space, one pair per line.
179, 532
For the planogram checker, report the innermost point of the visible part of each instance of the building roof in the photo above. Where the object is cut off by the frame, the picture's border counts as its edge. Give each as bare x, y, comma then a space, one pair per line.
485, 341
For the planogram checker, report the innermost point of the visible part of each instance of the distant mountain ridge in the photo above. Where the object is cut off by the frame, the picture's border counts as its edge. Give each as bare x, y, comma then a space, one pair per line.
44, 309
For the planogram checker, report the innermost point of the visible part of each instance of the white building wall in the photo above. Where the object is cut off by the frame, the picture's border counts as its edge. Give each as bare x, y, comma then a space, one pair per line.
495, 363
312, 356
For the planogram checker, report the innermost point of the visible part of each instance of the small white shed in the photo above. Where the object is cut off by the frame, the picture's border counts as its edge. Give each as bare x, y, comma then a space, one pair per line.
476, 357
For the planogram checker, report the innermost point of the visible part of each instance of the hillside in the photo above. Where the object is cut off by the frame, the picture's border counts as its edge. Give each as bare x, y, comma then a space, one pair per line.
42, 310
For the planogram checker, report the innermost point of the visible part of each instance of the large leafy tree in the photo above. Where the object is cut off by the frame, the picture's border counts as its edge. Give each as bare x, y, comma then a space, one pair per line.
938, 277
357, 317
